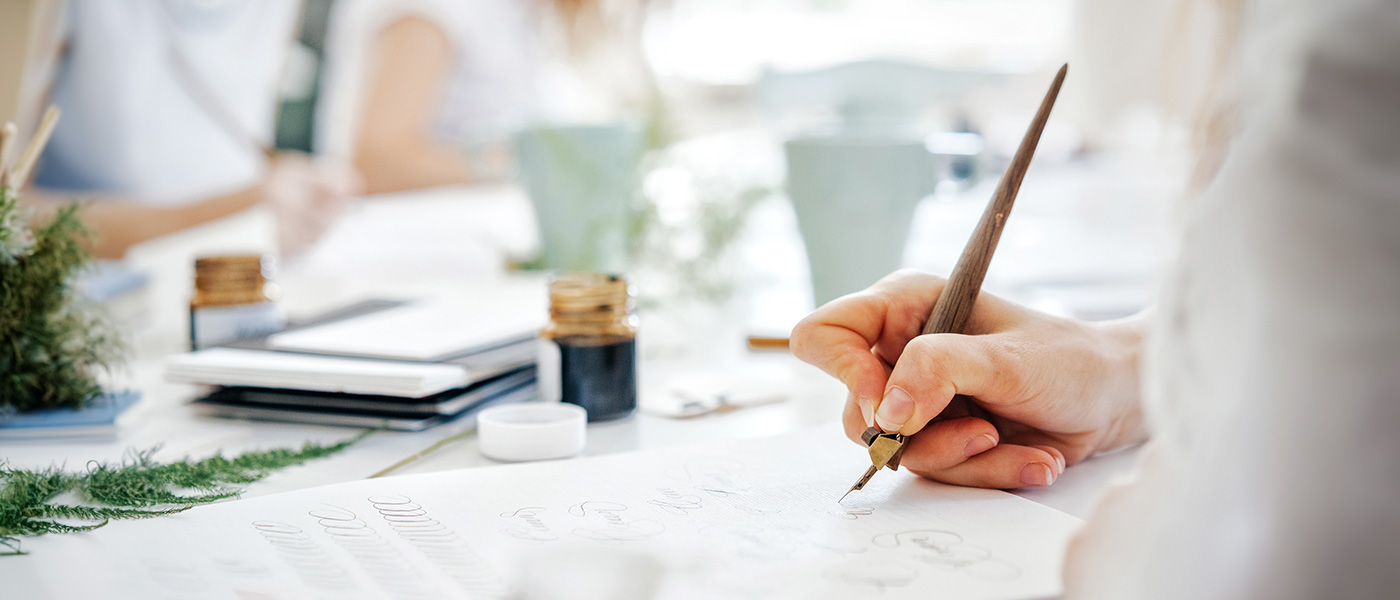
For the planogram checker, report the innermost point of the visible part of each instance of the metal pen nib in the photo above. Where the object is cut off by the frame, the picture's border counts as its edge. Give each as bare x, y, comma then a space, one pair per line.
860, 484
885, 451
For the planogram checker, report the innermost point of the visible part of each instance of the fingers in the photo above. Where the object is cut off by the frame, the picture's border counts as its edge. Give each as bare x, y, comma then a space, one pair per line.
340, 178
1005, 466
839, 337
945, 444
853, 421
1057, 455
320, 179
307, 195
934, 368
854, 337
966, 451
1071, 447
845, 355
886, 315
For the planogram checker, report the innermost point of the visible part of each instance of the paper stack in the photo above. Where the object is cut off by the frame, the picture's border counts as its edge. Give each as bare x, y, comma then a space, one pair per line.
406, 367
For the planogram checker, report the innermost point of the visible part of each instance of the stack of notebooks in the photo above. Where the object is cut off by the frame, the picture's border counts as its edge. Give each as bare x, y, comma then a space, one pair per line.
380, 364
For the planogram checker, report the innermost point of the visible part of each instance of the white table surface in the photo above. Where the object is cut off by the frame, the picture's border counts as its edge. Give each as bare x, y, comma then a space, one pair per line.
453, 243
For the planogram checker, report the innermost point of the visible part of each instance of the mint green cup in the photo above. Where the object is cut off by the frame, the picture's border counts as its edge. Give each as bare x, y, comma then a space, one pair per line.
854, 196
582, 180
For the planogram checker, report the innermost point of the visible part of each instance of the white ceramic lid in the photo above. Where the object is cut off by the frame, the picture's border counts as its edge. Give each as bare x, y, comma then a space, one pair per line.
532, 431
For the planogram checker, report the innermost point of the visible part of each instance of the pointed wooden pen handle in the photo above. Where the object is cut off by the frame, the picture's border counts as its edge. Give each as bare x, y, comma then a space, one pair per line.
954, 305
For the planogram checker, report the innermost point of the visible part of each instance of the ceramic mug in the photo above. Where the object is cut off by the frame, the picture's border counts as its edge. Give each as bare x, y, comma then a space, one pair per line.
582, 180
854, 196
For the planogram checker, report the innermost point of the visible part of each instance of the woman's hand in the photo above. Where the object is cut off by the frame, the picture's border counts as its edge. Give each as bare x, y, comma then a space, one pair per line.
306, 195
1049, 391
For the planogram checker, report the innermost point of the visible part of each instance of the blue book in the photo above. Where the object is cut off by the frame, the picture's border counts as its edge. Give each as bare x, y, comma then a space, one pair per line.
97, 418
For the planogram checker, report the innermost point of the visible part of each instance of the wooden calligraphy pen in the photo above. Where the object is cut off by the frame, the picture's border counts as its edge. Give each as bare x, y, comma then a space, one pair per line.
954, 305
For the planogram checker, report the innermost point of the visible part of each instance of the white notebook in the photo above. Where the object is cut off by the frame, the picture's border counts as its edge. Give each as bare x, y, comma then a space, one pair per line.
261, 368
421, 331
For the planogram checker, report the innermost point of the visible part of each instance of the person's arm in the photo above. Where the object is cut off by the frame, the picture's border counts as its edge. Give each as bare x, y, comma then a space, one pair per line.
1057, 390
305, 195
119, 224
394, 149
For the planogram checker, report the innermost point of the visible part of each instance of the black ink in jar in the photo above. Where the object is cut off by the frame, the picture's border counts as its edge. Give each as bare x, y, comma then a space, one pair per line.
588, 352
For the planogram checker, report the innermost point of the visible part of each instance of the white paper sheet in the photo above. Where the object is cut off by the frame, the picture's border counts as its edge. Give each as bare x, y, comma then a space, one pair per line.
263, 368
423, 331
747, 520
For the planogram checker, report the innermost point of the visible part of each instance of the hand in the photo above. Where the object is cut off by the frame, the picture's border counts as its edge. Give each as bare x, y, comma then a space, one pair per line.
1049, 391
306, 196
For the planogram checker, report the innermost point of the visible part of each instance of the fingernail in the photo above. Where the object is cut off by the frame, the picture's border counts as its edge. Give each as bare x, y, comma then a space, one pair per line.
1037, 474
979, 444
894, 410
1060, 458
867, 410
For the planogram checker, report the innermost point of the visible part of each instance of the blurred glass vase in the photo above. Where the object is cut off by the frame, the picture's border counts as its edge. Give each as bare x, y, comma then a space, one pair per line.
582, 180
854, 195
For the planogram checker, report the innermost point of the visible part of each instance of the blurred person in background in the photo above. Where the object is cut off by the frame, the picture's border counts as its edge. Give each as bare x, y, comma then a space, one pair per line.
1269, 385
423, 93
168, 108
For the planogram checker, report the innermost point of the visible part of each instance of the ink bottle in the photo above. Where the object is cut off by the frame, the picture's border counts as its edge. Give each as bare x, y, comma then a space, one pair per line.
588, 351
233, 299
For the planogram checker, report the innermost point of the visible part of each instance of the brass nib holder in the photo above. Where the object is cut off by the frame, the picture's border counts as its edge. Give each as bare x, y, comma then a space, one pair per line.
885, 451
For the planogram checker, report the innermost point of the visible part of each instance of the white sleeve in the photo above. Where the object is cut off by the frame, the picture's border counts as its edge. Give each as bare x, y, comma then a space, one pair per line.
1328, 382
1282, 480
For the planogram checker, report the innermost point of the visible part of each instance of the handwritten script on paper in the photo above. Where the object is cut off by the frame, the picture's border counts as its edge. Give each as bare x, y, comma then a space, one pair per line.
748, 520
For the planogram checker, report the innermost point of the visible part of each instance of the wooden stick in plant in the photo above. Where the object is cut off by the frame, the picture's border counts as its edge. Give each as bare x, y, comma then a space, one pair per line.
36, 145
7, 139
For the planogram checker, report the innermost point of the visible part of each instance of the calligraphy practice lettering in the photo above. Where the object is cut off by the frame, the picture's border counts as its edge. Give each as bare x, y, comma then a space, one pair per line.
756, 520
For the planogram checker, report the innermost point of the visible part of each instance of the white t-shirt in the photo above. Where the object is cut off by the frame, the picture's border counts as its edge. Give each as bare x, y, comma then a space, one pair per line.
1274, 373
131, 127
489, 93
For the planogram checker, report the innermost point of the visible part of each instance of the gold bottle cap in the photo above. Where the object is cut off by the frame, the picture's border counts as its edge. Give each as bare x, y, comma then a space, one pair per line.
231, 280
590, 304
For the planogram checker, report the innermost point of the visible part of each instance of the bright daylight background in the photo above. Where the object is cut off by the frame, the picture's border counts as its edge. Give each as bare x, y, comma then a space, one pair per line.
761, 116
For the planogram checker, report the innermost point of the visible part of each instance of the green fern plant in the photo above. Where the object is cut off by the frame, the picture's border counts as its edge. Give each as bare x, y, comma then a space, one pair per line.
138, 488
52, 342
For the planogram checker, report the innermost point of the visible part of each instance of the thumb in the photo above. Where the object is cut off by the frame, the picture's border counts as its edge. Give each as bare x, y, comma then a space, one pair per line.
930, 371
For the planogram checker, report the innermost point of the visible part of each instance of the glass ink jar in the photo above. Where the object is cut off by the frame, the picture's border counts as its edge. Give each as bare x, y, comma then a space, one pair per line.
588, 352
233, 300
